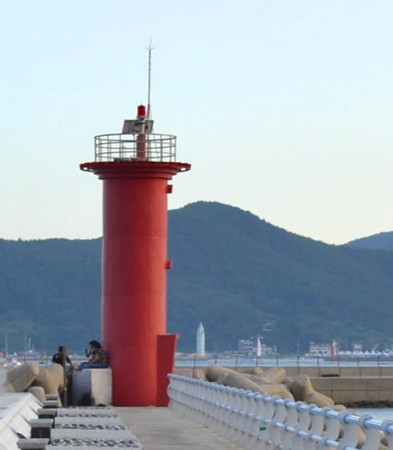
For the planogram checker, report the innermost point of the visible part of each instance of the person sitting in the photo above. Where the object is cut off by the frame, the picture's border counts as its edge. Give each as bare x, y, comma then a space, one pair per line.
98, 357
62, 358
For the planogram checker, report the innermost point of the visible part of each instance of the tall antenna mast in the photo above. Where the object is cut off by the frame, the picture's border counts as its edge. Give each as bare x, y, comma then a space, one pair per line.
150, 48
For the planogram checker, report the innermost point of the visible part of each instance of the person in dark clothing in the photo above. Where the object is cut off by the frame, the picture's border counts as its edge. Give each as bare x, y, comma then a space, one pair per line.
62, 358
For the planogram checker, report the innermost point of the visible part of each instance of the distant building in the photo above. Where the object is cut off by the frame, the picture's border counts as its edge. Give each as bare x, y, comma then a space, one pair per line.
357, 347
246, 346
200, 340
254, 347
319, 349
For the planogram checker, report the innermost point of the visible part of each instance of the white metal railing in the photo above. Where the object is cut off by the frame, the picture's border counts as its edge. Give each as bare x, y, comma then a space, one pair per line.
251, 420
282, 361
158, 147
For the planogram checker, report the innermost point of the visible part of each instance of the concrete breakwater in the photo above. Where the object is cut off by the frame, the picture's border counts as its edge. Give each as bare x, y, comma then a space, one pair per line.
357, 392
349, 386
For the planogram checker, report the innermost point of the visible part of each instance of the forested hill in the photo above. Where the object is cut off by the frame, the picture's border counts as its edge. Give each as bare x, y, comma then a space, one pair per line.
232, 271
49, 292
381, 241
236, 272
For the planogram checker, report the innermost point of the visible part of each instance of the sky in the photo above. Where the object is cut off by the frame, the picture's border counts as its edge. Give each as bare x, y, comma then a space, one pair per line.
283, 108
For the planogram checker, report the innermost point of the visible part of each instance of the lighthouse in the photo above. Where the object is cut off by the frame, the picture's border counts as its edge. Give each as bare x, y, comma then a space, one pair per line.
200, 340
136, 167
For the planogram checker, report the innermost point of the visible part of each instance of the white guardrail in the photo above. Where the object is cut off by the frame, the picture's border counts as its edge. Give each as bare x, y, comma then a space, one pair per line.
251, 420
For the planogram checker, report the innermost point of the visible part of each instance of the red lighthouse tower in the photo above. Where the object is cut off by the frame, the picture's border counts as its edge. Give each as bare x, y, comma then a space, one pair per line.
135, 167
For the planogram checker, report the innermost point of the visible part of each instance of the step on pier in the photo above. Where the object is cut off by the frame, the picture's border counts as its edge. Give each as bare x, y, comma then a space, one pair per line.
86, 427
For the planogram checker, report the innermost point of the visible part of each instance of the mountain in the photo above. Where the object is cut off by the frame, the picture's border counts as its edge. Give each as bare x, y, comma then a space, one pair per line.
49, 292
239, 275
235, 272
380, 241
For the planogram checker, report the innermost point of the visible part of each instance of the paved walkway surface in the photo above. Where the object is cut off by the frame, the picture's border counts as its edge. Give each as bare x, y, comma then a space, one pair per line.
164, 428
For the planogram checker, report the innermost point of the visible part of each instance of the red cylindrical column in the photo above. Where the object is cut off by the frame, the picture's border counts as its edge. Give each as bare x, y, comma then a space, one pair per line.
134, 283
134, 273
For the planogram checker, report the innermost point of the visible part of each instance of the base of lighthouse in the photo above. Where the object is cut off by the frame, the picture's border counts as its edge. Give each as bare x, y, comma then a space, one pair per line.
134, 278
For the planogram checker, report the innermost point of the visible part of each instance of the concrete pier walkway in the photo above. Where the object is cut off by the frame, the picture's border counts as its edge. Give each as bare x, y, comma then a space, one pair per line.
166, 429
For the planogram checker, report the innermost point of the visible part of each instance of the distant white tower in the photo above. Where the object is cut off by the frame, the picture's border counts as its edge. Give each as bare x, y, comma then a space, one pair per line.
200, 340
259, 347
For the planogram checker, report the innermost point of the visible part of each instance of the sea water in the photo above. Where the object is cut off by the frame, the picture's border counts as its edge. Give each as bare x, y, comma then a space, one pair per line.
380, 414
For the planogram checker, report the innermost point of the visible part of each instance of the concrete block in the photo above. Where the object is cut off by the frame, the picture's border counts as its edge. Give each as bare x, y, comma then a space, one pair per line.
62, 433
238, 380
90, 447
38, 392
275, 374
16, 410
301, 387
41, 428
50, 404
214, 372
319, 399
86, 420
36, 444
199, 373
251, 370
51, 378
107, 411
46, 413
135, 445
92, 387
22, 376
